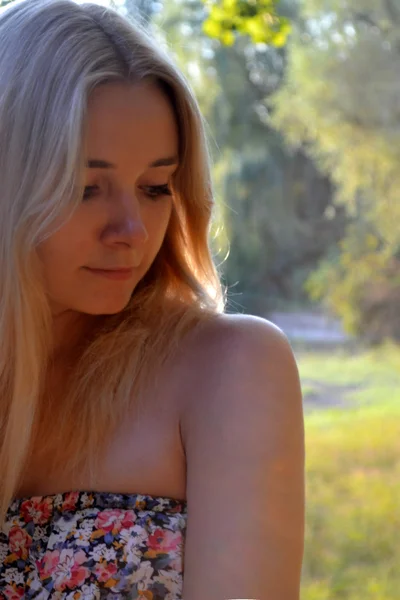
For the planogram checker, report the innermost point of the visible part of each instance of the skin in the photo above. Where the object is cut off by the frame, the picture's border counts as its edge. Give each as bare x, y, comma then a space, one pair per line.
235, 382
118, 223
243, 436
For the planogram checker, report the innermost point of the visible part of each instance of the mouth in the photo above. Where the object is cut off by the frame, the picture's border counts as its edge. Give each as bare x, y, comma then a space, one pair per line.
116, 274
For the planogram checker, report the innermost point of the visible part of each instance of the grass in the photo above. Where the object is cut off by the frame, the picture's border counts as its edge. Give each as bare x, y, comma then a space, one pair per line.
352, 550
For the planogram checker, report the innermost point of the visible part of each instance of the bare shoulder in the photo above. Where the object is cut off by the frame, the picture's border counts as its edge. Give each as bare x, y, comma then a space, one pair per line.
243, 368
233, 351
226, 327
233, 331
242, 430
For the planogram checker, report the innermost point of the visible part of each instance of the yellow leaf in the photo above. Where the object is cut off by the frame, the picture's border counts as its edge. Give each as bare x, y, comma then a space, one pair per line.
227, 38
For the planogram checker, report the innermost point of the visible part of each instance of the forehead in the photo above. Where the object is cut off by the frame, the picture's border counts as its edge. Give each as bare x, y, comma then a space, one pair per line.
131, 121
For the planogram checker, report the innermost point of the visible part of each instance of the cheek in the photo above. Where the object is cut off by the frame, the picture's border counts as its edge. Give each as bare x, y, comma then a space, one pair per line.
156, 225
63, 252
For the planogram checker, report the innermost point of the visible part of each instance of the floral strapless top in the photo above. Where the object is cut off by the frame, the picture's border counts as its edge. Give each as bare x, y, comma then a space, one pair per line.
89, 545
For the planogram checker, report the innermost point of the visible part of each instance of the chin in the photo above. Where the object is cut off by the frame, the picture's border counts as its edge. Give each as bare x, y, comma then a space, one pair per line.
106, 306
108, 309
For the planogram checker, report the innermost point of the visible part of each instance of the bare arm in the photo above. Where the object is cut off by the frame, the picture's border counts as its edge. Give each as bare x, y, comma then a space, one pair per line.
244, 444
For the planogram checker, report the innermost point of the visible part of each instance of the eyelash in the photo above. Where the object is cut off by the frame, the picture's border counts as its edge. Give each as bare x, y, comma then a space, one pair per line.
155, 191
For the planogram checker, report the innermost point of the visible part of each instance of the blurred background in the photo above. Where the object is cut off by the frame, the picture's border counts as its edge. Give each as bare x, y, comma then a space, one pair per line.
302, 104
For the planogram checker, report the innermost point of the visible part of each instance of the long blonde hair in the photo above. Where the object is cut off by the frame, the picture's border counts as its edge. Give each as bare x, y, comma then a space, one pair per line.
53, 53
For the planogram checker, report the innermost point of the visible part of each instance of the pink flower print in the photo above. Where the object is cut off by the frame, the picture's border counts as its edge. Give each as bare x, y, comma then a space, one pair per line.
20, 542
163, 540
70, 500
38, 509
105, 571
113, 520
65, 568
12, 592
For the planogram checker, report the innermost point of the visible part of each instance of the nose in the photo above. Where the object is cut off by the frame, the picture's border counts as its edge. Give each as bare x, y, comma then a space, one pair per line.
125, 225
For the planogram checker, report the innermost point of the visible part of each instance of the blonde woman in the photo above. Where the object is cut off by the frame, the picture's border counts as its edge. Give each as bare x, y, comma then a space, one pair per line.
151, 445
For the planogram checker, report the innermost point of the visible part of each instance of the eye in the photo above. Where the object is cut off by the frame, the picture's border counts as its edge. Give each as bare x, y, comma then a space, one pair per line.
152, 191
90, 191
155, 191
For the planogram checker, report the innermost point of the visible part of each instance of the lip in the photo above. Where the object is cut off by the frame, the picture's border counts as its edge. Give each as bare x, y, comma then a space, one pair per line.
116, 274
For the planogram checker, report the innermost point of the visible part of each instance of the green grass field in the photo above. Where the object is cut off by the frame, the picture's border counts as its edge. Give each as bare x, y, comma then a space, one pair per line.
352, 546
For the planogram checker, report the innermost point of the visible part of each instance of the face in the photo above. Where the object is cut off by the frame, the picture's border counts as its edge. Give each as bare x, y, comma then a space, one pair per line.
131, 153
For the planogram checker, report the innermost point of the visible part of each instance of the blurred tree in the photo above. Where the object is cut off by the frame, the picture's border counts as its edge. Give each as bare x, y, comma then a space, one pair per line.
257, 18
341, 103
276, 207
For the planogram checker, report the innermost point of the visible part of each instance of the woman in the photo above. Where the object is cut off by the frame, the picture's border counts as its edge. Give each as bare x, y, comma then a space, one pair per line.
151, 445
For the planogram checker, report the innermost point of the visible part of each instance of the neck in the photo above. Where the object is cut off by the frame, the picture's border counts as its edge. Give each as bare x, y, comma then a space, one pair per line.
70, 329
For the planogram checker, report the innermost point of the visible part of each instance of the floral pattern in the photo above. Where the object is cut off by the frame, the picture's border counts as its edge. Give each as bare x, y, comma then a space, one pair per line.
93, 545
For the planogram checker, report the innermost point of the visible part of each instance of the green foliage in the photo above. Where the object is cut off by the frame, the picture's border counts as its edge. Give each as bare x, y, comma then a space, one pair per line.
256, 18
272, 202
340, 102
352, 481
343, 276
364, 369
353, 491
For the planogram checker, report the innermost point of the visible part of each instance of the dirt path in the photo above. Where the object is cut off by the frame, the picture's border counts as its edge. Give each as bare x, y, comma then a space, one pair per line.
312, 327
324, 395
317, 331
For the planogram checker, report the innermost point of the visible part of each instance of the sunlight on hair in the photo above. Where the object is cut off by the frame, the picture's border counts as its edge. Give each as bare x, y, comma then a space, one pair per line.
112, 3
182, 289
6, 6
101, 2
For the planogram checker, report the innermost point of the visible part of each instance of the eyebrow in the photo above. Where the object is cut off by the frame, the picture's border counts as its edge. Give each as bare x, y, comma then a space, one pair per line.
97, 163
